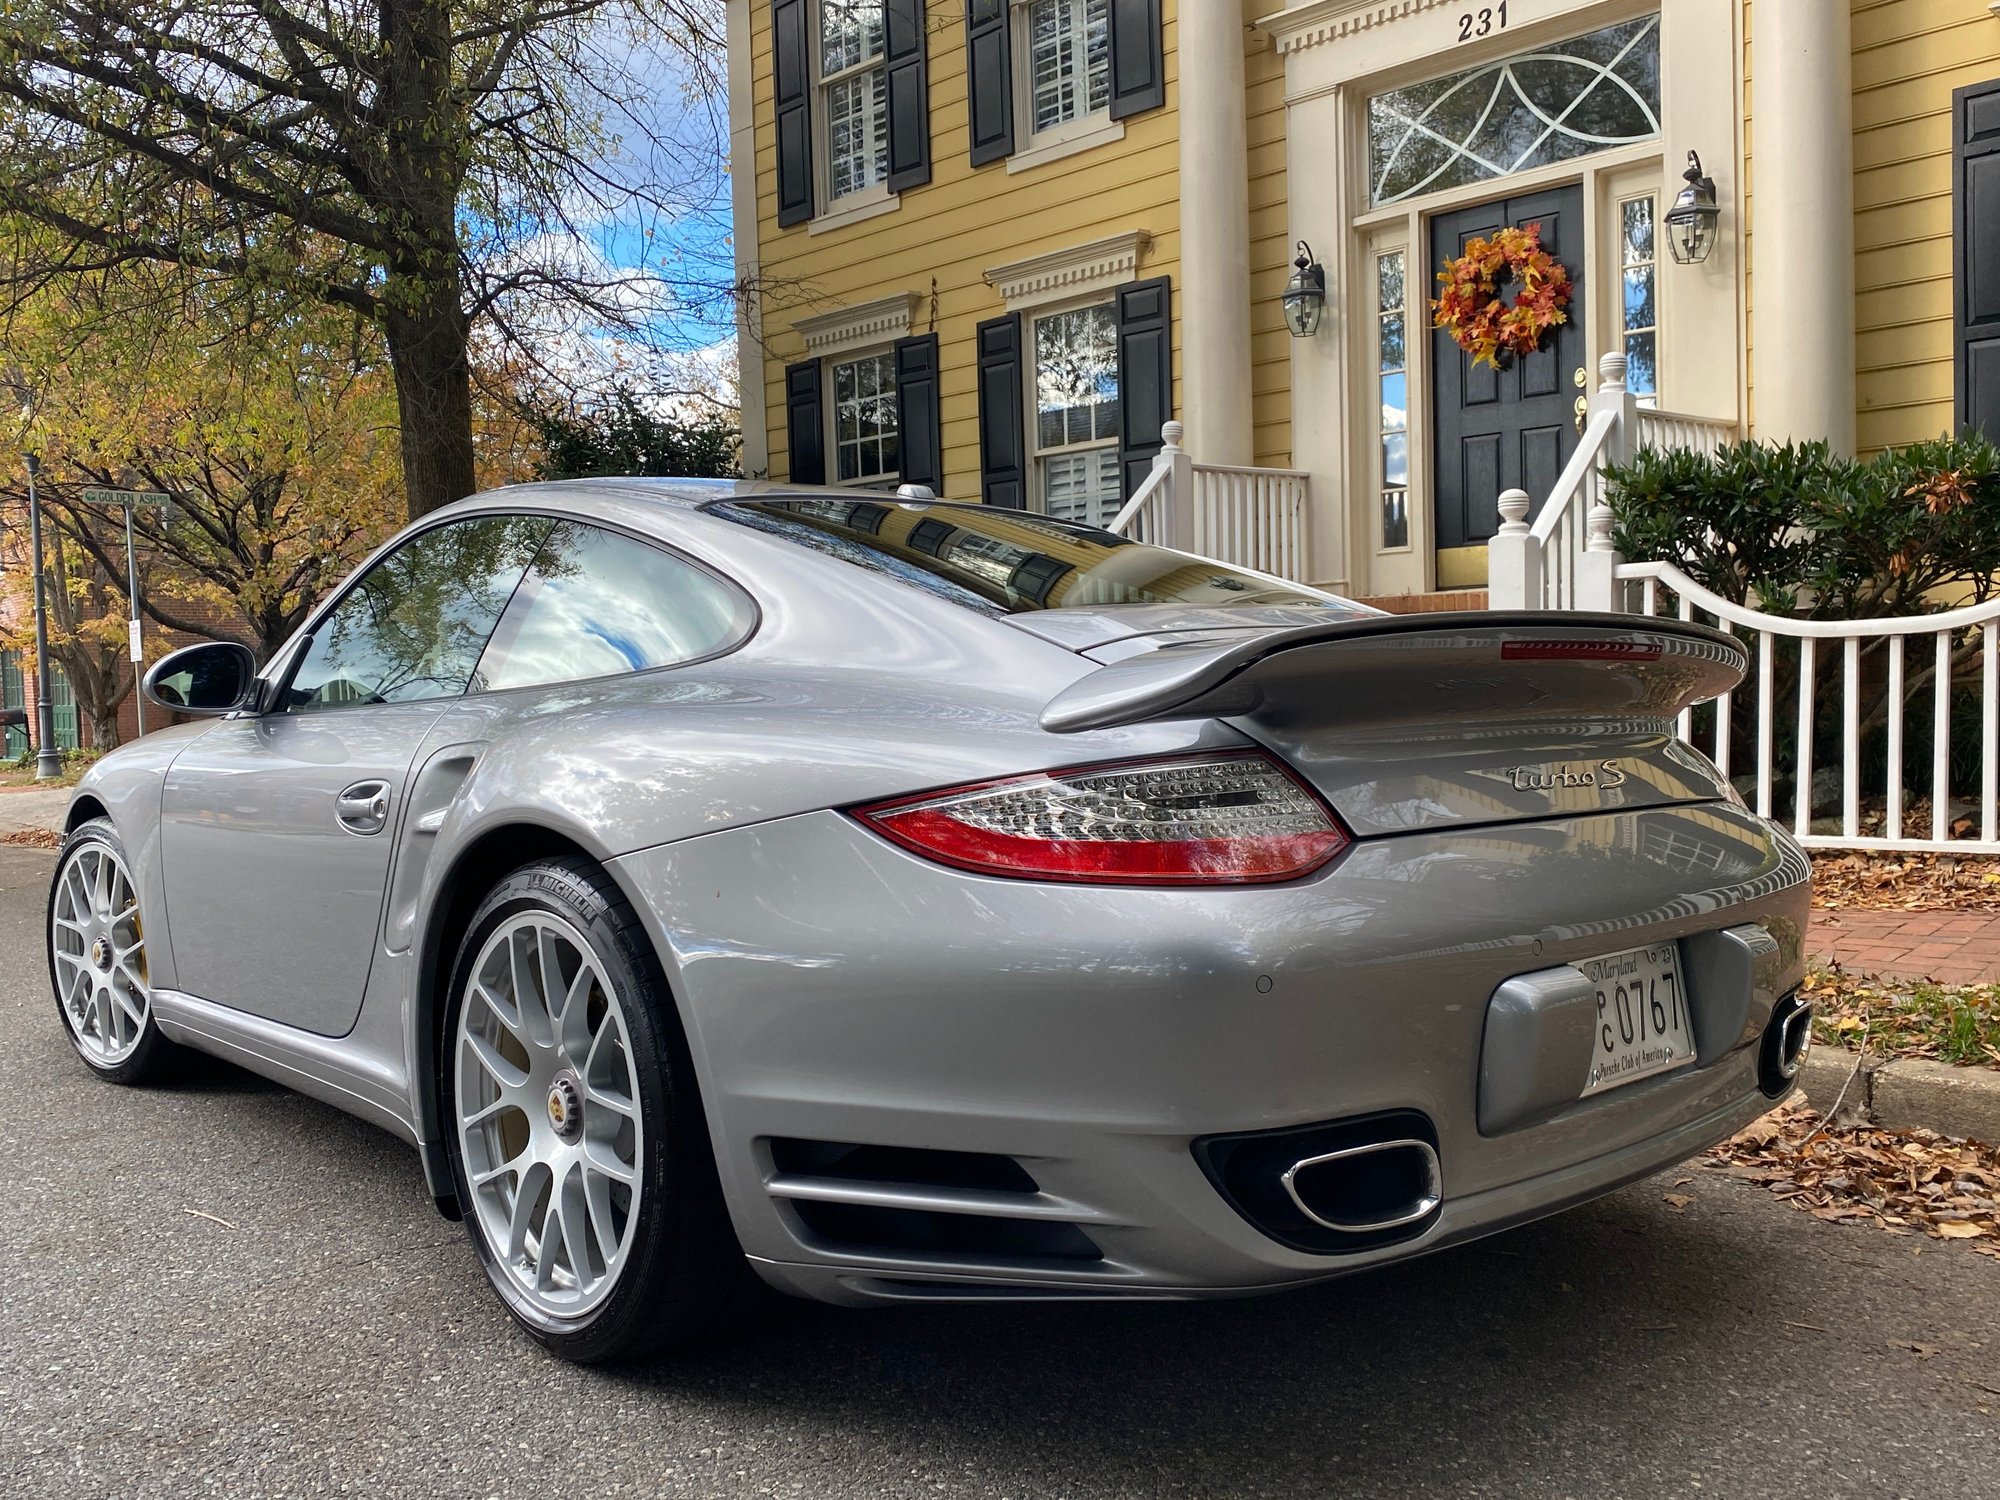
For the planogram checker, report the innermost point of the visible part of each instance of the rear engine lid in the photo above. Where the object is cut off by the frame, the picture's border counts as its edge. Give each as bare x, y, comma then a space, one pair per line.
1407, 722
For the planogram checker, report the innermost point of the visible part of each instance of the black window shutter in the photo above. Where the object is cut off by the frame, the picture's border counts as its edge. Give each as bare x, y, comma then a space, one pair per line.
1138, 63
989, 79
920, 433
791, 63
906, 50
1145, 375
805, 422
1975, 116
1003, 472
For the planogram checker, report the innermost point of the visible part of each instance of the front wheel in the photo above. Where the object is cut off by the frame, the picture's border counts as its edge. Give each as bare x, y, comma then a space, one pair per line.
97, 958
579, 1150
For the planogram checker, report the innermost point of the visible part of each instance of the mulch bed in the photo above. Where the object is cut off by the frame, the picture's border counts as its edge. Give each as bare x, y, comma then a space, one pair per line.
1905, 882
1907, 1182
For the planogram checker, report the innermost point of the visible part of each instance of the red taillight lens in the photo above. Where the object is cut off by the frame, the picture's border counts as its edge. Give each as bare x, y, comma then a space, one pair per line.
1235, 819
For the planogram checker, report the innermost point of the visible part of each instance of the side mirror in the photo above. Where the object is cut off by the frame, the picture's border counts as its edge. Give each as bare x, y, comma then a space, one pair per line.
216, 677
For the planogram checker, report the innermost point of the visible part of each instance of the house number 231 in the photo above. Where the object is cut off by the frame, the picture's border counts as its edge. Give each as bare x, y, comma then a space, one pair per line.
1474, 24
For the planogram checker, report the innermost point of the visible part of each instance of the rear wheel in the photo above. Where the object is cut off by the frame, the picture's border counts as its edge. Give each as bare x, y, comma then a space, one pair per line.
579, 1150
97, 958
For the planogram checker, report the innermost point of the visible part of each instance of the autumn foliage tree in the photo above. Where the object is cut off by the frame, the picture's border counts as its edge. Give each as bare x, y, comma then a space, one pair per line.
273, 434
433, 167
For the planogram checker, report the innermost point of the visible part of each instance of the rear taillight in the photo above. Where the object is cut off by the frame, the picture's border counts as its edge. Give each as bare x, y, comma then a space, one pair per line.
1231, 819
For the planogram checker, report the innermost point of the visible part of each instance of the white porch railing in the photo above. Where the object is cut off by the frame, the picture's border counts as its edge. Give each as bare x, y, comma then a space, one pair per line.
1250, 518
1551, 563
1945, 646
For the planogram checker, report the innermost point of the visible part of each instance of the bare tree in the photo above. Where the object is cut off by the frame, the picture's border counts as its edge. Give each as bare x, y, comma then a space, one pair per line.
436, 166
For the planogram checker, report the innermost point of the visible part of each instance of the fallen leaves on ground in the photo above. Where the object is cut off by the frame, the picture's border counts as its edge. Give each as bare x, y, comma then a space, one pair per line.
1954, 1023
1905, 882
34, 838
1902, 1181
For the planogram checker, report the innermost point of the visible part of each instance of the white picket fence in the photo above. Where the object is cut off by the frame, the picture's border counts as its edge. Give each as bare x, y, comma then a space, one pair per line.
1250, 518
1944, 644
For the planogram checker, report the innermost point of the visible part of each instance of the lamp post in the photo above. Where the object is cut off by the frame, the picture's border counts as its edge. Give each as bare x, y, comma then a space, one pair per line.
48, 764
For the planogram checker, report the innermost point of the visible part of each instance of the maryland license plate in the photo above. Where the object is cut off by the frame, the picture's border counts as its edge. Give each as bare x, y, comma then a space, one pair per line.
1642, 1016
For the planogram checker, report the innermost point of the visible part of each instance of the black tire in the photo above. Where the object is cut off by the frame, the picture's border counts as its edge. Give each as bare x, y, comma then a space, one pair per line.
153, 1056
685, 1277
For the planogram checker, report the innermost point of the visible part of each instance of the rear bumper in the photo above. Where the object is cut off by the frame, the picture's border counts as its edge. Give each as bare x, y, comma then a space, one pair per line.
836, 989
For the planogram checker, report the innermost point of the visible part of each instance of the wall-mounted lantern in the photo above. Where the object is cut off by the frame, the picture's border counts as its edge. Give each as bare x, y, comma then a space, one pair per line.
1692, 221
1305, 294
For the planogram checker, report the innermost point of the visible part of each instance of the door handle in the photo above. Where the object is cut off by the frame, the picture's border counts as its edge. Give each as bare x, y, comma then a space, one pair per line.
1582, 410
363, 807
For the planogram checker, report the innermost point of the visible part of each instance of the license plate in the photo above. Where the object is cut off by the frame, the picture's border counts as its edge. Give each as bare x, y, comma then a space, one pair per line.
1642, 1016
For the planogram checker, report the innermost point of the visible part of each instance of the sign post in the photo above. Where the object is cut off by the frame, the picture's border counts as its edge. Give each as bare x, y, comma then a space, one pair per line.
131, 500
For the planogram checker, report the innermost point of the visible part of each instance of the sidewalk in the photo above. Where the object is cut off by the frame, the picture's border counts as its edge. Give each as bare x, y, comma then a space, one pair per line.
1952, 947
34, 807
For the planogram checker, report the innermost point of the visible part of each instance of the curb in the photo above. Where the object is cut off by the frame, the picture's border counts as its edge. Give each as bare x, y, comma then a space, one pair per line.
1907, 1093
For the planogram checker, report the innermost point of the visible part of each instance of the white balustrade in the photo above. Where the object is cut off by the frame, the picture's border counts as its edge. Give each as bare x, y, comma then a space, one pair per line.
1856, 653
1255, 519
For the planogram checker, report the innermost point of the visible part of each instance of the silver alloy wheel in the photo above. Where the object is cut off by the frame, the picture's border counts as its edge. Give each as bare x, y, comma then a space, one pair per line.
547, 1100
100, 954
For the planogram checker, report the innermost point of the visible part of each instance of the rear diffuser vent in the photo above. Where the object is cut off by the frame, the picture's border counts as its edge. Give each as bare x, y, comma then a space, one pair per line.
977, 1170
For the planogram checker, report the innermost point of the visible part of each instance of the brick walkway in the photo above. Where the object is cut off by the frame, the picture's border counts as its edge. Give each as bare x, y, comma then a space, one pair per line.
1953, 947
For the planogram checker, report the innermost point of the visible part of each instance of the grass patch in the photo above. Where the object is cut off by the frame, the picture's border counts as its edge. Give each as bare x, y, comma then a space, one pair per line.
1954, 1023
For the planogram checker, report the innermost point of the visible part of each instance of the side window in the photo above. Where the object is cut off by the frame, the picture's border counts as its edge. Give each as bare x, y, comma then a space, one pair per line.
596, 604
415, 624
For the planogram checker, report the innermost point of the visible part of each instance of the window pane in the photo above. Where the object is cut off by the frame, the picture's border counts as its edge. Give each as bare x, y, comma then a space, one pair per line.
1638, 230
1396, 460
1639, 298
414, 626
1395, 518
1395, 402
595, 604
1069, 59
857, 115
1567, 100
850, 32
1393, 355
1389, 281
865, 418
1076, 376
1642, 367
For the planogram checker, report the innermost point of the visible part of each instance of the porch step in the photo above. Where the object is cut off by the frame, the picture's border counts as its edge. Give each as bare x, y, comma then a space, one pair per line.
1429, 604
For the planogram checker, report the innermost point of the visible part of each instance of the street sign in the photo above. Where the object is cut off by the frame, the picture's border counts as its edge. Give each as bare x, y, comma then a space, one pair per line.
153, 498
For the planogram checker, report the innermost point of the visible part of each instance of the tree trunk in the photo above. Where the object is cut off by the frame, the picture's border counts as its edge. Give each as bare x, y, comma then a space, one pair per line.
427, 351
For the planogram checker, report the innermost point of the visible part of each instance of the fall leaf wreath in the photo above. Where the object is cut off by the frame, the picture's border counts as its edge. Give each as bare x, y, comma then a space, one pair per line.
1480, 320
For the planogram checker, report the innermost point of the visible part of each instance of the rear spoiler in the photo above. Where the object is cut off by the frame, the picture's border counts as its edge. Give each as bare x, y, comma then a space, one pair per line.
1482, 665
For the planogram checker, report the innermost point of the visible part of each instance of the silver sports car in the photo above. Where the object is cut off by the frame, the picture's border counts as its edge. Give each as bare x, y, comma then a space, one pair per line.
886, 900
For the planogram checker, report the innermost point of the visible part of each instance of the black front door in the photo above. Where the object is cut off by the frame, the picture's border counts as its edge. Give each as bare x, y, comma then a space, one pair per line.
1511, 428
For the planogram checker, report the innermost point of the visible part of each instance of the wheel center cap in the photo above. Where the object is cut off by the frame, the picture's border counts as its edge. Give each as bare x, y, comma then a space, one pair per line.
565, 1105
100, 952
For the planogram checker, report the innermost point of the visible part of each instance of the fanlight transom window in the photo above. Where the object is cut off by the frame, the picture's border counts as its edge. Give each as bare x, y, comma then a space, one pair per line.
1574, 98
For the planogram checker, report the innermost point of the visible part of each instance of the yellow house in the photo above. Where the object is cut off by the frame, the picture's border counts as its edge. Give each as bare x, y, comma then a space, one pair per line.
993, 246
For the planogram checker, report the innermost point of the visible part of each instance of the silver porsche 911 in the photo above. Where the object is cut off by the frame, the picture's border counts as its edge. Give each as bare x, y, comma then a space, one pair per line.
887, 900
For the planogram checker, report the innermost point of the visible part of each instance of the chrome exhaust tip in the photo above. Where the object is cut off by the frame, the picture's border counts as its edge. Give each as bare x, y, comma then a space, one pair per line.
1367, 1189
1787, 1044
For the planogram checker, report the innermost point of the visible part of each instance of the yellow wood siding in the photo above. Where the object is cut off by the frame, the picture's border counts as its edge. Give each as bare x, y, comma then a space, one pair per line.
1908, 57
942, 237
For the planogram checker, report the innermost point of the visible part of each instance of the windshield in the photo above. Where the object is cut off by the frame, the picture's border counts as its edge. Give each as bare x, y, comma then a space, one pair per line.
1006, 562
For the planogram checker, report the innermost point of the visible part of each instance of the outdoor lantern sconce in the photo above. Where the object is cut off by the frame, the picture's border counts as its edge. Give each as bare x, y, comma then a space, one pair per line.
1305, 294
1691, 221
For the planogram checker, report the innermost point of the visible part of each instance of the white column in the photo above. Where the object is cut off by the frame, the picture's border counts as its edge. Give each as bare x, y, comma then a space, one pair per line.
1802, 228
1215, 234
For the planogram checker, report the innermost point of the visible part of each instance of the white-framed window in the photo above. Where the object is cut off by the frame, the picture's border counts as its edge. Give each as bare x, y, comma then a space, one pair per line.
853, 99
1074, 415
1639, 295
1392, 369
1064, 52
864, 433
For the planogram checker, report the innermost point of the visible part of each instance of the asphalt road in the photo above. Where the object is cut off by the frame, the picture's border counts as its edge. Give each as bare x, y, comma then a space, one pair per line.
335, 1336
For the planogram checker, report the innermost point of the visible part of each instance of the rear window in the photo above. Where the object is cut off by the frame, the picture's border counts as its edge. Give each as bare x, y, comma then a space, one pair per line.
1007, 562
